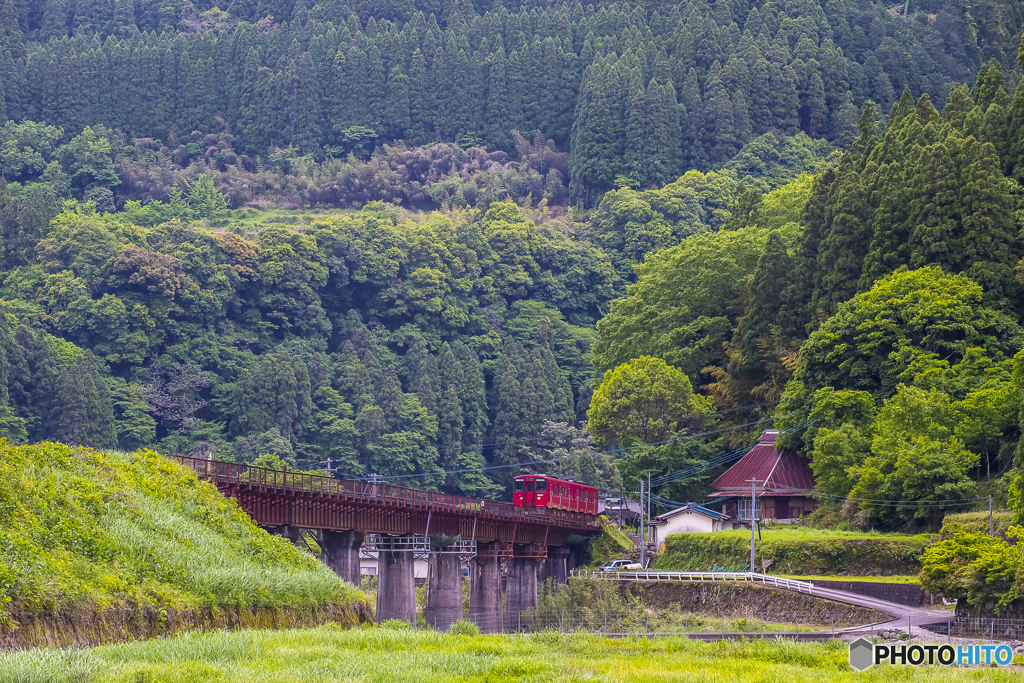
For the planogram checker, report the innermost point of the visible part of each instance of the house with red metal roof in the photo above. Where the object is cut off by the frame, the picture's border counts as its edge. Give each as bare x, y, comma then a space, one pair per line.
782, 484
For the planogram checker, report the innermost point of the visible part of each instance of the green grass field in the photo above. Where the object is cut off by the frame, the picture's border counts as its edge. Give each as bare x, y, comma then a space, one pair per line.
242, 219
379, 654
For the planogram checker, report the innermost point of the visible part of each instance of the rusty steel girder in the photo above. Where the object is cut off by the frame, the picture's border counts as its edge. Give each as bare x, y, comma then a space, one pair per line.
312, 501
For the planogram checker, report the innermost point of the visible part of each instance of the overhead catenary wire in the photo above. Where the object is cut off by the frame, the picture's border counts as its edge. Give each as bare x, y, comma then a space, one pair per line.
667, 502
529, 463
531, 443
722, 459
738, 453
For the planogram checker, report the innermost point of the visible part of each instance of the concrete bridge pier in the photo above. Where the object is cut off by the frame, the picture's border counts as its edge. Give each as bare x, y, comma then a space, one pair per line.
576, 556
340, 552
396, 584
556, 567
444, 590
286, 531
521, 585
485, 588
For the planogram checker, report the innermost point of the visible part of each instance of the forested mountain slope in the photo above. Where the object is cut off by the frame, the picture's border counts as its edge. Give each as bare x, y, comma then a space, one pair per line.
644, 91
883, 323
753, 162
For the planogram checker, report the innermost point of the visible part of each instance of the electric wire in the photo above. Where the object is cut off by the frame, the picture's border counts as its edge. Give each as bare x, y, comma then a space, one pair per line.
528, 463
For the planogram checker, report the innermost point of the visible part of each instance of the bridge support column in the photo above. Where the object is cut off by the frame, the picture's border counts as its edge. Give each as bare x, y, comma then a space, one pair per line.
340, 552
521, 586
444, 591
396, 584
485, 587
286, 531
574, 557
557, 566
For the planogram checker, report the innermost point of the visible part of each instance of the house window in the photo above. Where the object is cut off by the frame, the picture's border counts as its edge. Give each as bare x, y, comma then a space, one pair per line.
743, 508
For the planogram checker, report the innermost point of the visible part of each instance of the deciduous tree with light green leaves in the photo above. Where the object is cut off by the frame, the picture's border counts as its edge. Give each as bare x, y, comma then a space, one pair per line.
645, 400
684, 303
876, 335
917, 467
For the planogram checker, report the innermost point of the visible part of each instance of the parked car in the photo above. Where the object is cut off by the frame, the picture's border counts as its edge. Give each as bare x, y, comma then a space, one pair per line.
620, 565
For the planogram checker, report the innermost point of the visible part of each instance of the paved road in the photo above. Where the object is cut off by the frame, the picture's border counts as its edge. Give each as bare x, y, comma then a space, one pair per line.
903, 616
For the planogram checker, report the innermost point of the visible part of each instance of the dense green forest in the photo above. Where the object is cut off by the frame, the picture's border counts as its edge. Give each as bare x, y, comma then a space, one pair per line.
270, 98
432, 240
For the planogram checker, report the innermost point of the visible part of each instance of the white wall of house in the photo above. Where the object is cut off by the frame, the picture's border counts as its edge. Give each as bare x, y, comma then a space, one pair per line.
687, 523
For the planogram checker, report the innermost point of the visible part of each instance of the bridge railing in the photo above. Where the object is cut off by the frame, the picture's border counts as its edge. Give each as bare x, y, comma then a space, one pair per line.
767, 579
238, 474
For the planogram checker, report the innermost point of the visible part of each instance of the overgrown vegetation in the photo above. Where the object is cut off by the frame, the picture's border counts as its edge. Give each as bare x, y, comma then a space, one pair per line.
134, 531
986, 572
610, 544
797, 552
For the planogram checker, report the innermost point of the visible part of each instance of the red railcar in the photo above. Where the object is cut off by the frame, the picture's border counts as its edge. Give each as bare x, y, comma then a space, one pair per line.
538, 490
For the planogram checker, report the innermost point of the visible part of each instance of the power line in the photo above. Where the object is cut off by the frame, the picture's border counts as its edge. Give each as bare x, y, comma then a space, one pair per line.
681, 437
878, 502
722, 459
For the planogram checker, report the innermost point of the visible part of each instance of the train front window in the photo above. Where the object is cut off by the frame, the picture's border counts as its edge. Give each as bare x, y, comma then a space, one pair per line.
517, 486
542, 485
529, 485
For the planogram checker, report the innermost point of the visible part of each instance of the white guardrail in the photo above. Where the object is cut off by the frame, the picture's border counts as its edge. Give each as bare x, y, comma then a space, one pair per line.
777, 581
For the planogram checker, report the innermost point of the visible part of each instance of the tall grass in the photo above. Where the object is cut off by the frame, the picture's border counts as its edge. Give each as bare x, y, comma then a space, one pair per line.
328, 653
103, 529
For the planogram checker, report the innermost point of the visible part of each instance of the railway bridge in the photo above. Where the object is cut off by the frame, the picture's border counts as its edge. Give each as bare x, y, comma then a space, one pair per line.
399, 523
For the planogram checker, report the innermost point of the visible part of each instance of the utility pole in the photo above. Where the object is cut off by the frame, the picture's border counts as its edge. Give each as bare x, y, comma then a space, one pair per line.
642, 522
990, 514
648, 504
753, 504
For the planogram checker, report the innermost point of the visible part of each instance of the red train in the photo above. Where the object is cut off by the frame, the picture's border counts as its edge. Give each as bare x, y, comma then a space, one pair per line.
539, 490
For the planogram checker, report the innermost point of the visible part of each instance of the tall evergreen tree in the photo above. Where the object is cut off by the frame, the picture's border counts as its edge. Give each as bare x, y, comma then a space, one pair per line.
12, 426
12, 39
396, 106
474, 397
421, 102
123, 23
771, 278
511, 429
55, 20
85, 415
844, 242
497, 115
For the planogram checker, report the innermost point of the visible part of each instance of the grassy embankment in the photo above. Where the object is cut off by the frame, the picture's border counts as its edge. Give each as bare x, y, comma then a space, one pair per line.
611, 544
977, 522
799, 551
380, 654
100, 546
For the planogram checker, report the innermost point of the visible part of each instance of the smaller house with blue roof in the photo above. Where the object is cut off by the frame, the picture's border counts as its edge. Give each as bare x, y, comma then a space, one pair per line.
691, 518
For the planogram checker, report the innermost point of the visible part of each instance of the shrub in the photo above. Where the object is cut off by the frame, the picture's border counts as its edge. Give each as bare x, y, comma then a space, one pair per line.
396, 625
822, 554
464, 628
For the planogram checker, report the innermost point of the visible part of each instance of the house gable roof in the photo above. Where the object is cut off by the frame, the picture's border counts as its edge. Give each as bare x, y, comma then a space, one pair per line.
688, 508
777, 472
